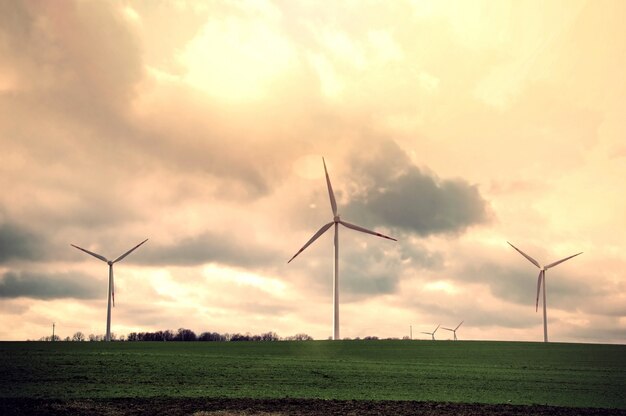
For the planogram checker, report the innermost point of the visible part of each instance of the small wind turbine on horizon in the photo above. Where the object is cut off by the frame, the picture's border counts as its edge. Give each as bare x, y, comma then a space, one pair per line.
432, 334
541, 282
111, 294
336, 221
454, 330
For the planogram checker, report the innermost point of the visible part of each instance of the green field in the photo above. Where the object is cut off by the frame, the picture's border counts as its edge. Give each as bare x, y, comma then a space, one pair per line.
580, 375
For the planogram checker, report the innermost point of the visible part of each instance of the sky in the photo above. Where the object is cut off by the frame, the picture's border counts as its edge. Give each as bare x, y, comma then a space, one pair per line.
453, 126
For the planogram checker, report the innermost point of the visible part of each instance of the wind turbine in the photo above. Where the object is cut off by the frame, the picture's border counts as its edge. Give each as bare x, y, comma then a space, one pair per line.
454, 330
336, 221
541, 281
432, 334
111, 284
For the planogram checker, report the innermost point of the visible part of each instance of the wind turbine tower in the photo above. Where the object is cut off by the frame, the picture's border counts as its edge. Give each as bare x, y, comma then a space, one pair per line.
432, 334
453, 330
541, 283
335, 222
111, 294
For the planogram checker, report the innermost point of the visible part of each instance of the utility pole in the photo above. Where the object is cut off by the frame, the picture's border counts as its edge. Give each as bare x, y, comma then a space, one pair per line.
411, 331
53, 323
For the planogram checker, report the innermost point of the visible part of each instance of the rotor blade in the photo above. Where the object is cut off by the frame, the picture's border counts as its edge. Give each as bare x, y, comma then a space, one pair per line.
436, 329
315, 237
333, 203
538, 290
561, 261
459, 325
129, 251
365, 230
448, 329
533, 261
98, 256
427, 333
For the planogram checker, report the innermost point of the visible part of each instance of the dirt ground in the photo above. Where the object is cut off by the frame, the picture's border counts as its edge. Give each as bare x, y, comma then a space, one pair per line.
277, 407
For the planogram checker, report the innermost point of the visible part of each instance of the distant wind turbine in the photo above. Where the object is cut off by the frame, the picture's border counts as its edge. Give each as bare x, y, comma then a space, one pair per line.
111, 283
454, 330
336, 221
541, 281
432, 334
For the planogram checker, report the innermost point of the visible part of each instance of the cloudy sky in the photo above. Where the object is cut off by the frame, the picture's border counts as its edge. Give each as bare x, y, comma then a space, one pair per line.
452, 126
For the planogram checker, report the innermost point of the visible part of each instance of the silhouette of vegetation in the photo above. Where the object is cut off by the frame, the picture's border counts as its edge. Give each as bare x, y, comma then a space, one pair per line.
187, 335
183, 335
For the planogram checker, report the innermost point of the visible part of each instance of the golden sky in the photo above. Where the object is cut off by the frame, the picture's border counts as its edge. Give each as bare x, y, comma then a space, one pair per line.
453, 126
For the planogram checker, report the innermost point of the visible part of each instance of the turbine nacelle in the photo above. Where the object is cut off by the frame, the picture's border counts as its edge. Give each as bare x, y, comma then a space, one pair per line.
337, 219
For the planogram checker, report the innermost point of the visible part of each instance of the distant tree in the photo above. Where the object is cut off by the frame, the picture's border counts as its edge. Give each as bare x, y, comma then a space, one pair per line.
132, 336
184, 334
299, 337
270, 336
239, 337
211, 336
49, 338
92, 338
67, 338
78, 336
370, 338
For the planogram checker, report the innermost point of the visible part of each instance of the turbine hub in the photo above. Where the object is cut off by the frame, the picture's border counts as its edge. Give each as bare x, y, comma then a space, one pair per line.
336, 219
542, 268
110, 263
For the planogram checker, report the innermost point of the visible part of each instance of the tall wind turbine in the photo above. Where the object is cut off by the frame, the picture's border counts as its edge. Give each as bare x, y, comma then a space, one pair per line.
111, 284
454, 330
336, 221
432, 334
541, 282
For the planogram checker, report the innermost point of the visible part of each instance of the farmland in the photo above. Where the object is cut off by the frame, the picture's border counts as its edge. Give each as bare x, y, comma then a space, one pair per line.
573, 375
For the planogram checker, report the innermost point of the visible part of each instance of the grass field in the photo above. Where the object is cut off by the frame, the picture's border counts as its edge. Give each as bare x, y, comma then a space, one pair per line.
578, 375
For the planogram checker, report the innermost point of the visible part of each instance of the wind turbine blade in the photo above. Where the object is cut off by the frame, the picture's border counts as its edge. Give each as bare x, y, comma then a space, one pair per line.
129, 251
365, 230
427, 333
538, 289
533, 261
561, 261
98, 256
333, 203
315, 237
448, 329
436, 329
459, 325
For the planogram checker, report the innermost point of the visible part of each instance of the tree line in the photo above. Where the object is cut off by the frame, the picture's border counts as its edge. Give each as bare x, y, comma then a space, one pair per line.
182, 334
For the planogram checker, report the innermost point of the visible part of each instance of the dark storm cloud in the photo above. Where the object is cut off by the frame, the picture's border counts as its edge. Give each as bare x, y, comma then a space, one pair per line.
49, 286
17, 243
208, 248
397, 194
